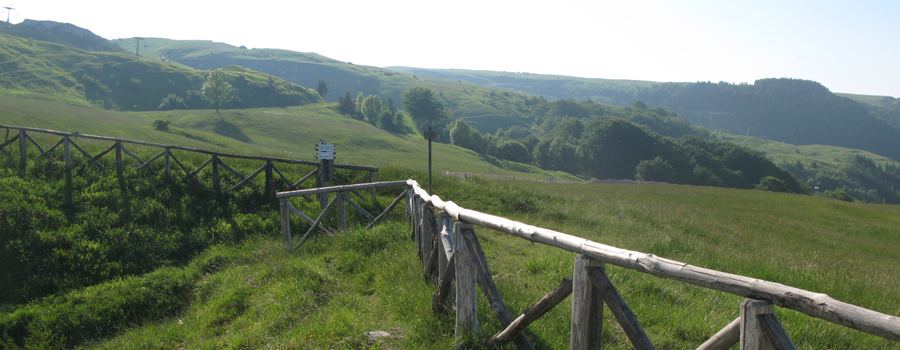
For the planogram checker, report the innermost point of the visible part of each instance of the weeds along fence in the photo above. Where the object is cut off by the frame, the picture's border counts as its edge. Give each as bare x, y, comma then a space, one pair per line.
167, 162
451, 255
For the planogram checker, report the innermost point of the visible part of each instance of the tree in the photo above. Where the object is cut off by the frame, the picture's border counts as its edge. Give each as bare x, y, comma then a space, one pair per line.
346, 104
424, 108
386, 121
359, 101
371, 108
217, 90
322, 88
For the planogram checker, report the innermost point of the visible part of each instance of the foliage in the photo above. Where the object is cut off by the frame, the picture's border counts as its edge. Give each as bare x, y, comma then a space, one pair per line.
773, 184
861, 179
322, 88
216, 89
346, 105
371, 109
161, 124
794, 111
424, 108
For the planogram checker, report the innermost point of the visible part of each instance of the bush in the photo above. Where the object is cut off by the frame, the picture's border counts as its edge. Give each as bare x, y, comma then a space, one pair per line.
771, 183
161, 124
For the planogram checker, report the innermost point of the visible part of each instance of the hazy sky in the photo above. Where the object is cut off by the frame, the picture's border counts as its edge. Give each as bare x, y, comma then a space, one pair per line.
848, 46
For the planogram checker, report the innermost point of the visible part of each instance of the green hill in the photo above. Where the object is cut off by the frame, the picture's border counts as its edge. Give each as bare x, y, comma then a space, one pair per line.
610, 91
485, 108
60, 33
289, 132
116, 80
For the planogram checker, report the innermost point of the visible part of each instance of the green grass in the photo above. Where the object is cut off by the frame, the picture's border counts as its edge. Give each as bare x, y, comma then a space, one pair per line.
121, 81
326, 294
825, 156
486, 108
289, 132
330, 291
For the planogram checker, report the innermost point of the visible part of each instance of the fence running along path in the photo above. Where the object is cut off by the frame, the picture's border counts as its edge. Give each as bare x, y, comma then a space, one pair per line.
216, 161
451, 255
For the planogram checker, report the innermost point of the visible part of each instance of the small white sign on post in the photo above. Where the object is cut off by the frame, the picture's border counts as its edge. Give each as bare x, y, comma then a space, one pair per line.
325, 151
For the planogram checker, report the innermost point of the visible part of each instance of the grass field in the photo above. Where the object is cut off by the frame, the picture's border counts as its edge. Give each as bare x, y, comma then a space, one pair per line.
255, 294
327, 293
289, 132
828, 157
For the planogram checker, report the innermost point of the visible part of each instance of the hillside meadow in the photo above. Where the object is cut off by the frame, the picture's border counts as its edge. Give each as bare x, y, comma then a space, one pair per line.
288, 132
242, 289
218, 277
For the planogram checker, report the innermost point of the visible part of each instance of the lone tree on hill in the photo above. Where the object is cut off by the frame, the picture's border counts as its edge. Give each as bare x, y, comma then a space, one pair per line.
217, 90
424, 108
322, 88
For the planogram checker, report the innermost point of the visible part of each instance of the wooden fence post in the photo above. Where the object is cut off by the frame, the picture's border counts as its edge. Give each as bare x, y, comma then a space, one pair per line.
466, 297
168, 163
23, 152
373, 190
270, 179
342, 211
285, 223
70, 190
587, 307
752, 335
217, 186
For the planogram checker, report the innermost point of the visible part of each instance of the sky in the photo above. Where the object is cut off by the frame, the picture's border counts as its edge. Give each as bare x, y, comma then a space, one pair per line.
848, 46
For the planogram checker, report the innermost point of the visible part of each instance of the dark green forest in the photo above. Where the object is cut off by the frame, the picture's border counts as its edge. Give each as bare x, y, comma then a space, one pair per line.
794, 111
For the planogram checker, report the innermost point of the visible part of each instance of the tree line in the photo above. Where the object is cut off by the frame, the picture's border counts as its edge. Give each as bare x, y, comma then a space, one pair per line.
593, 140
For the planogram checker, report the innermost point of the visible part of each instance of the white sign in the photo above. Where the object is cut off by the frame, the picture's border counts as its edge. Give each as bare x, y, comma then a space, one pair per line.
326, 155
325, 148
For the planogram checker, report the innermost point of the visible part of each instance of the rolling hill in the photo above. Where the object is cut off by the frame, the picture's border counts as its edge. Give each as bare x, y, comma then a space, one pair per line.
121, 81
485, 108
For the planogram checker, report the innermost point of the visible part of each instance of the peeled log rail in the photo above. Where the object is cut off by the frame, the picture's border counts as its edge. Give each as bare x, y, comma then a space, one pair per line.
340, 189
813, 304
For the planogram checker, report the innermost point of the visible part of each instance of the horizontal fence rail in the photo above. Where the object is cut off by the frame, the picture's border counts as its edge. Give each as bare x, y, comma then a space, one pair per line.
216, 163
445, 242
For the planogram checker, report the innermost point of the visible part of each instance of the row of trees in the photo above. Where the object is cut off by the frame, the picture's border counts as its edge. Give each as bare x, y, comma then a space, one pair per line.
598, 141
420, 103
861, 180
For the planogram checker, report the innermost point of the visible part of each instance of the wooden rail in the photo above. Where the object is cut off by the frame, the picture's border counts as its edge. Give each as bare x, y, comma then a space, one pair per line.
216, 162
451, 237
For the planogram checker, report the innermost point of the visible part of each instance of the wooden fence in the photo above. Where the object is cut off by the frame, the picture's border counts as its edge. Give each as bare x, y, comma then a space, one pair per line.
216, 162
451, 254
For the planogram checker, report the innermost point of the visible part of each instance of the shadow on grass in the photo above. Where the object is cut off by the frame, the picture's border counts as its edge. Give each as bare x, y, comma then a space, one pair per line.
230, 130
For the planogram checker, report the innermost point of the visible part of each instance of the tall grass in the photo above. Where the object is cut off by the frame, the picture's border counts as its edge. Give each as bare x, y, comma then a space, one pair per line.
249, 292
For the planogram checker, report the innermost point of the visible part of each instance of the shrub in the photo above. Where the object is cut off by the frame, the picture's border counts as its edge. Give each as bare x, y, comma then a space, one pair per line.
161, 124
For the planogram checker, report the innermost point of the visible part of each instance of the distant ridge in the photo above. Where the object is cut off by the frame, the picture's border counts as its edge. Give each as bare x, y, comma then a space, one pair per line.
60, 33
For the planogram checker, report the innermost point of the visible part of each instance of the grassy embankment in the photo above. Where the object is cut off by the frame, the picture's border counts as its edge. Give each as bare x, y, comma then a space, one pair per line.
245, 291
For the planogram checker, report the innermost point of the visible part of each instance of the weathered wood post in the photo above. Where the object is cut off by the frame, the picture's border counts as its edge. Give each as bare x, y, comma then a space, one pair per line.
168, 162
217, 186
70, 191
373, 190
752, 335
587, 307
270, 179
466, 297
120, 174
342, 210
285, 223
23, 152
